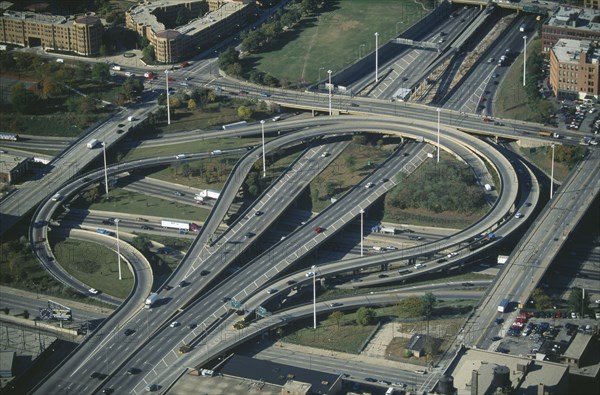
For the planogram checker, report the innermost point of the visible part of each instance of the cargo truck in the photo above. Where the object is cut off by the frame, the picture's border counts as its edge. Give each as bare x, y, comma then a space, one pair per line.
503, 306
207, 193
179, 225
92, 143
150, 300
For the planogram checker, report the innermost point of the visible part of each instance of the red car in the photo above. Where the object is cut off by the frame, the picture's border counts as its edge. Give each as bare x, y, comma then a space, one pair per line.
318, 229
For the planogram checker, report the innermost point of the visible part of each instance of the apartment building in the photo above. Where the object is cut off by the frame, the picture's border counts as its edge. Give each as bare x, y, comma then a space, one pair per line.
574, 71
216, 19
79, 34
571, 22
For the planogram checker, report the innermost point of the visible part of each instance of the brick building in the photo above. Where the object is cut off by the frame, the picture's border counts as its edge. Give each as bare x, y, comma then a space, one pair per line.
79, 34
571, 22
574, 69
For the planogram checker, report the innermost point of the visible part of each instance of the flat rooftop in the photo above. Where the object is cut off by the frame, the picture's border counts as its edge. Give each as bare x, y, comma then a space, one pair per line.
569, 51
575, 17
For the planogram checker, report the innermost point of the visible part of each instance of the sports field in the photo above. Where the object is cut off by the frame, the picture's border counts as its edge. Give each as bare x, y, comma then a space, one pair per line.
334, 38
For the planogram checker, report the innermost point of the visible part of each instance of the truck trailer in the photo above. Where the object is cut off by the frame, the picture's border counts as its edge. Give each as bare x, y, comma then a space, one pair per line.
179, 225
150, 300
208, 193
92, 143
503, 306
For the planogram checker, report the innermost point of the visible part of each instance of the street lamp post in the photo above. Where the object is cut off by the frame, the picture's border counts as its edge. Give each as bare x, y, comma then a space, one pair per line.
320, 68
361, 46
118, 249
168, 105
438, 135
105, 170
329, 72
524, 57
361, 231
313, 268
397, 23
552, 173
262, 125
376, 57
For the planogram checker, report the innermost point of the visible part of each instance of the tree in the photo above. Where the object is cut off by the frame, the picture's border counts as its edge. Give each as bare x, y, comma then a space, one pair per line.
22, 99
365, 316
578, 301
148, 54
82, 72
191, 105
428, 304
228, 57
141, 243
244, 112
132, 88
336, 317
411, 306
48, 87
308, 6
100, 72
92, 194
541, 300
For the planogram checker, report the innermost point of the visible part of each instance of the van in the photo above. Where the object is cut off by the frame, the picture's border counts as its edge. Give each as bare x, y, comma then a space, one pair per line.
390, 391
180, 156
419, 265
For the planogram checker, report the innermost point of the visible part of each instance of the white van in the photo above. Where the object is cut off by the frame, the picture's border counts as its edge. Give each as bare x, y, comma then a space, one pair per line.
390, 391
419, 265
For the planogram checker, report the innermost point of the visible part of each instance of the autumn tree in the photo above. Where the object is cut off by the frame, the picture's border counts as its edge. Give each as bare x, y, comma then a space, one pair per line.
336, 317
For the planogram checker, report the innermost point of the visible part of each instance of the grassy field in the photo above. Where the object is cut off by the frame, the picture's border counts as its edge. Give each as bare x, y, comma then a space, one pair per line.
122, 201
60, 124
349, 336
95, 265
511, 100
333, 39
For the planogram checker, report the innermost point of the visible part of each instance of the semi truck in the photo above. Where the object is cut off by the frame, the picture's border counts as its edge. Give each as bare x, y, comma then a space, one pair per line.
92, 143
207, 193
150, 300
179, 225
503, 306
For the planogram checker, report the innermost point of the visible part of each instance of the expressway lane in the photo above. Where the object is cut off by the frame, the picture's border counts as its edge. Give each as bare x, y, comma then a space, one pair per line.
377, 127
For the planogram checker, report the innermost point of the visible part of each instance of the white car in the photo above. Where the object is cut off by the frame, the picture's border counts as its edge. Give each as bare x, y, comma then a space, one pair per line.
519, 215
452, 254
310, 274
174, 324
369, 185
271, 291
93, 291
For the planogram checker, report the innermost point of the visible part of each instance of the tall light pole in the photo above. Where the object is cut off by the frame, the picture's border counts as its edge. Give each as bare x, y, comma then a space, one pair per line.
524, 57
438, 136
262, 125
552, 173
118, 249
397, 27
313, 268
361, 46
168, 105
329, 85
105, 171
376, 57
361, 231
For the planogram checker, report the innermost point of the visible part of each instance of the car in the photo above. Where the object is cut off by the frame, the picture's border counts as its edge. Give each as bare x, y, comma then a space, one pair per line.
411, 237
111, 220
369, 185
491, 60
167, 288
421, 371
519, 215
183, 231
382, 276
385, 179
291, 282
132, 371
467, 284
318, 229
129, 331
183, 84
141, 219
93, 291
597, 314
325, 154
204, 272
383, 382
499, 321
391, 247
177, 193
108, 390
496, 338
151, 387
119, 131
271, 291
248, 235
98, 375
258, 213
192, 326
174, 324
243, 92
225, 299
442, 260
335, 304
399, 384
370, 379
354, 105
452, 254
146, 227
182, 284
264, 94
309, 274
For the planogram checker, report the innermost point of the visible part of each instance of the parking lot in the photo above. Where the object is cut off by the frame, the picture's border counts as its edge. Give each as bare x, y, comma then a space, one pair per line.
546, 335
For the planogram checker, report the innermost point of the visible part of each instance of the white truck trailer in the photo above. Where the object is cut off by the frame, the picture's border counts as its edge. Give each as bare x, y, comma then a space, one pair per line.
92, 143
150, 300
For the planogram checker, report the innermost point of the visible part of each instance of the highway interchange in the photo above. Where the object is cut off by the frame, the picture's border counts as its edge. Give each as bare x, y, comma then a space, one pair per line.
210, 312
